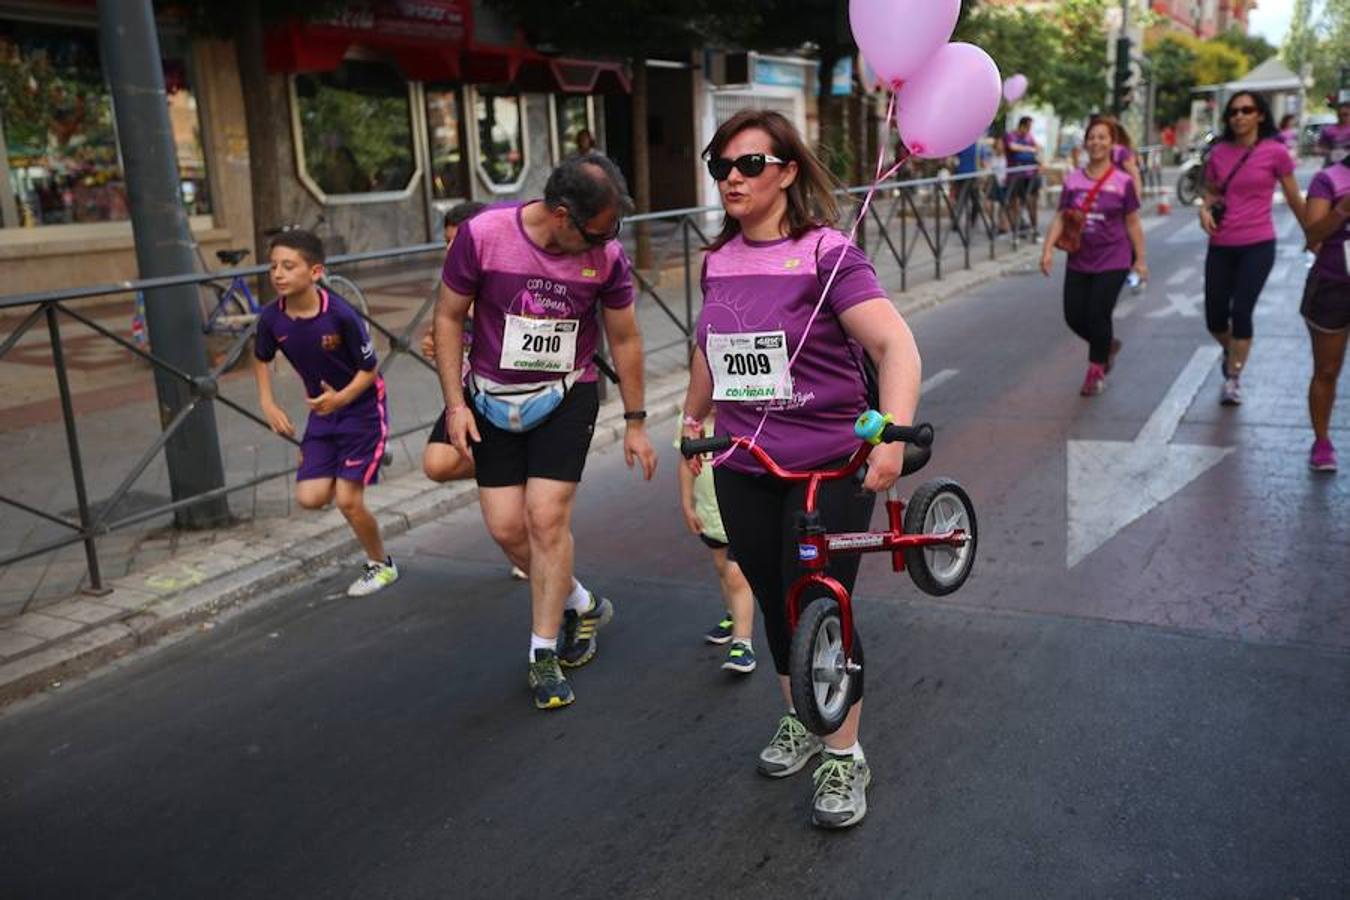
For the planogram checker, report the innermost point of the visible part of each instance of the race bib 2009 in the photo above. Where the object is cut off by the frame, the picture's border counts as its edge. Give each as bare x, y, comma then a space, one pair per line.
749, 367
539, 345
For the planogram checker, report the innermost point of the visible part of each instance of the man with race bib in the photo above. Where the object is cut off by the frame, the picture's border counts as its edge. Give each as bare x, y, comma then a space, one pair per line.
541, 276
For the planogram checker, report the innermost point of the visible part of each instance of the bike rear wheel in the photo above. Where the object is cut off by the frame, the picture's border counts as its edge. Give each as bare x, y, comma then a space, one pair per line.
1188, 186
823, 687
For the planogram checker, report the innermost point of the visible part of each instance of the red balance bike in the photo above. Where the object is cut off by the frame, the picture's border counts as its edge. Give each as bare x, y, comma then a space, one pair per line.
933, 537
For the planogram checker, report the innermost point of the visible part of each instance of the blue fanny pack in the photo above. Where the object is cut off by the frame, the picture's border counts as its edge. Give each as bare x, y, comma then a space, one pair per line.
519, 407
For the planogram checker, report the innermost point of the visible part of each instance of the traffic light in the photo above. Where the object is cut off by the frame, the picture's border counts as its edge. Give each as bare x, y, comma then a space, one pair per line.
1122, 86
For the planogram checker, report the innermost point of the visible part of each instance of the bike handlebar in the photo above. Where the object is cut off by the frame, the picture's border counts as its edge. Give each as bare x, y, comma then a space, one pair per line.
872, 428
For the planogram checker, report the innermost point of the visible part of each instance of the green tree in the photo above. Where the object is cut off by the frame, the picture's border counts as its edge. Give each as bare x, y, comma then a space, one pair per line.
1173, 57
1216, 63
1301, 41
1254, 47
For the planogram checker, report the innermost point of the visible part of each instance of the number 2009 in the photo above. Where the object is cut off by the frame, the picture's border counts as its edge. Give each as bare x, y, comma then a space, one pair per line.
747, 363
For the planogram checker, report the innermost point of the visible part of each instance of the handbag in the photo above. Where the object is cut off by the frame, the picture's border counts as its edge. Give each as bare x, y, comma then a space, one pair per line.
519, 407
1074, 219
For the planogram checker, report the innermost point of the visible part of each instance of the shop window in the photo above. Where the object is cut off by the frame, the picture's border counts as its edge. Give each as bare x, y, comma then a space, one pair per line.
500, 129
445, 132
572, 114
355, 130
61, 159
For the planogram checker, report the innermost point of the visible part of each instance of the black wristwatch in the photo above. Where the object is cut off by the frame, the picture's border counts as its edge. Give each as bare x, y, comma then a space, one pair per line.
636, 415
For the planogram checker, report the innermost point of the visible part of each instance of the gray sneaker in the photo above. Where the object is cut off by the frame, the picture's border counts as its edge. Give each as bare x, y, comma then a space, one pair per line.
791, 748
1232, 392
841, 791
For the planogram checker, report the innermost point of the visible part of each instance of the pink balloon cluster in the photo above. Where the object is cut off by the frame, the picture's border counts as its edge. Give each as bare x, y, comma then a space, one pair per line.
946, 94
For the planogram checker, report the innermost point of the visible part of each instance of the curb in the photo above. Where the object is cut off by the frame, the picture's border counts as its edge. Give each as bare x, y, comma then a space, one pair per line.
84, 634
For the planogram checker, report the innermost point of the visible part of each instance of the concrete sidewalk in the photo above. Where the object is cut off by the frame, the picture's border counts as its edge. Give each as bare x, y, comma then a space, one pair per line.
208, 572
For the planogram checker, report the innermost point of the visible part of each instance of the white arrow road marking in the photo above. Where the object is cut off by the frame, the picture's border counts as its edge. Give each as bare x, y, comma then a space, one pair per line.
936, 381
1179, 304
1113, 483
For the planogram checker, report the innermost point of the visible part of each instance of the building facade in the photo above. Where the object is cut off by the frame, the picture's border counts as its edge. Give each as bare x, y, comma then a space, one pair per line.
392, 112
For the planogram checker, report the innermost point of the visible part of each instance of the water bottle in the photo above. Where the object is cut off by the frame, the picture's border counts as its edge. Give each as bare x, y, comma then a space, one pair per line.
1135, 282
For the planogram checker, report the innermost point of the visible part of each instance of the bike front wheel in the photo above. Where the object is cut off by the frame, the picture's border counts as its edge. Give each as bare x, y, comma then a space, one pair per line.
937, 507
824, 686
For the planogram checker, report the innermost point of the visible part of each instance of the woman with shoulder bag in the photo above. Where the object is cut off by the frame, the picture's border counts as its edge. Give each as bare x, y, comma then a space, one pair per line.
1098, 226
1326, 301
1240, 177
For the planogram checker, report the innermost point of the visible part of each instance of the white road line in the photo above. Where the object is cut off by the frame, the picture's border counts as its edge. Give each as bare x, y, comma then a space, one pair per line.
1153, 222
1180, 276
936, 381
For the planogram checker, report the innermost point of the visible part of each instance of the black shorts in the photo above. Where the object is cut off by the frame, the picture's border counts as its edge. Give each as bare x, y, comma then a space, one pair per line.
438, 433
713, 543
1022, 184
555, 449
1326, 303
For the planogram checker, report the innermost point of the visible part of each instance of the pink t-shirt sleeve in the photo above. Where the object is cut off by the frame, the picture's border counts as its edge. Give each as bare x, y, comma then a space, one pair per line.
1283, 162
856, 281
461, 272
1321, 188
1130, 202
617, 291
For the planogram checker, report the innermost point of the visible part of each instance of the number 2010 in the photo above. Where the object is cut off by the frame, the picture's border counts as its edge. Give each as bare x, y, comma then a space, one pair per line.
542, 343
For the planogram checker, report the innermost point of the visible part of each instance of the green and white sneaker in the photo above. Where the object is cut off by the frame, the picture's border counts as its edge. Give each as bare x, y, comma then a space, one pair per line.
550, 687
721, 632
841, 791
791, 748
576, 644
740, 658
374, 577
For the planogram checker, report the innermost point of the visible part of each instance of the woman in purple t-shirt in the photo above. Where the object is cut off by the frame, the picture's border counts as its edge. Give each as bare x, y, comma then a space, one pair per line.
1112, 244
762, 280
1243, 169
1326, 301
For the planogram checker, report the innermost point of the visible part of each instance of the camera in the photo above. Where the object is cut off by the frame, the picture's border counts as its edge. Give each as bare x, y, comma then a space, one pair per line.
1217, 209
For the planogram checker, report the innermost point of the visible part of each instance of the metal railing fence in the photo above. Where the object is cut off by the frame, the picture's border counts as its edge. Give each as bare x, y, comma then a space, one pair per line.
906, 222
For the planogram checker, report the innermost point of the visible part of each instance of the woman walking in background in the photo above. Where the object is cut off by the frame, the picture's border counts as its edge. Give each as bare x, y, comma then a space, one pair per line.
1326, 301
1243, 169
1098, 224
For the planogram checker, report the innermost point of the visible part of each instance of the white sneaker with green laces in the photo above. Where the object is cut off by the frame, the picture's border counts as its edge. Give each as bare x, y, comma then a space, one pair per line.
791, 748
841, 791
374, 577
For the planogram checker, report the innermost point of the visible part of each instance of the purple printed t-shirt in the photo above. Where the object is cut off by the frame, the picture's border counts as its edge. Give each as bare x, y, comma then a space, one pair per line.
1106, 243
1248, 198
1335, 138
332, 346
494, 261
753, 286
1332, 183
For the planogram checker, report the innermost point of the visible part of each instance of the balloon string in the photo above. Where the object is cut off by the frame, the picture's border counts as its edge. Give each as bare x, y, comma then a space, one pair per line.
878, 179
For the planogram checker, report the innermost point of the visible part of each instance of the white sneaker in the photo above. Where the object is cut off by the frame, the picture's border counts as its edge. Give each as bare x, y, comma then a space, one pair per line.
1232, 392
374, 577
518, 574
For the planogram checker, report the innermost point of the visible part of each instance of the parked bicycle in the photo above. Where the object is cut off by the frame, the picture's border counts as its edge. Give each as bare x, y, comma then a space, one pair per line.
933, 538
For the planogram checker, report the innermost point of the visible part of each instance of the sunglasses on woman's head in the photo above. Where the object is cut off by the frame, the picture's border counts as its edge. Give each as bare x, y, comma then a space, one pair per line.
1242, 111
749, 165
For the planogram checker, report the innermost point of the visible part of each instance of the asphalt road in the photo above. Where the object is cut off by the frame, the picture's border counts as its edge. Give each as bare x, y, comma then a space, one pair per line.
1112, 707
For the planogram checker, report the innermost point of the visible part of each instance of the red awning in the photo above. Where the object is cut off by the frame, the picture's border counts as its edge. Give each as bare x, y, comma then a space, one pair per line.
424, 37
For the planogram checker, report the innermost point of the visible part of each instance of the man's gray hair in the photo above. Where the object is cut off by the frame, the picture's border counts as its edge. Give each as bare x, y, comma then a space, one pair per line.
587, 186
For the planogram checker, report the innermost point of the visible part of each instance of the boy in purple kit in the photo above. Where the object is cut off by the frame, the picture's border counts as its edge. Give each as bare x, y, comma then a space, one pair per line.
540, 277
1023, 151
327, 343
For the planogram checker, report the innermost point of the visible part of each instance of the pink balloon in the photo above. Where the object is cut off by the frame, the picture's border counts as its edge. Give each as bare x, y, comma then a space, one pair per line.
947, 106
897, 37
1015, 88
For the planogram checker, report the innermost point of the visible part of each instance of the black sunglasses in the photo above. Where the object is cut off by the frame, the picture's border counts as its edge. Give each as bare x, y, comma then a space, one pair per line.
1242, 111
749, 165
591, 238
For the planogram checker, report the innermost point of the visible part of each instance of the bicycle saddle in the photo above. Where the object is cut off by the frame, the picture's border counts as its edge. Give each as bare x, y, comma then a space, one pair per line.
230, 257
916, 458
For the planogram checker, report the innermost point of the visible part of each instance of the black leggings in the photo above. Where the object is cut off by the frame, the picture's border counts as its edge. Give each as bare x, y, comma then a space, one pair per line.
1234, 277
760, 515
1089, 301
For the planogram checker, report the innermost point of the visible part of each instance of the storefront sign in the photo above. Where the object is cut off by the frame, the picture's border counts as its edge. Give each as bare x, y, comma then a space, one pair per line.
779, 74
